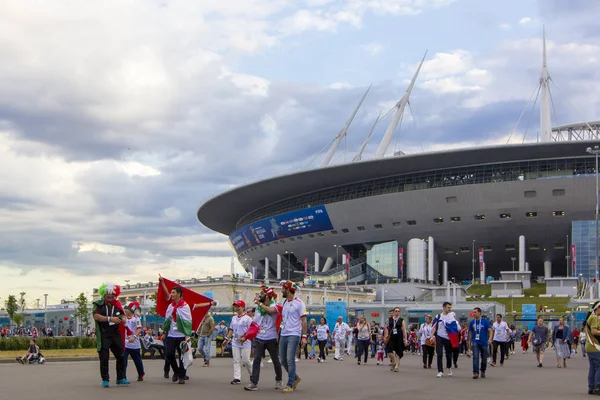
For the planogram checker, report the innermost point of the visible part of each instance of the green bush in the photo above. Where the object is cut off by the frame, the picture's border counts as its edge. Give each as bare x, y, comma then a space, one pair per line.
48, 343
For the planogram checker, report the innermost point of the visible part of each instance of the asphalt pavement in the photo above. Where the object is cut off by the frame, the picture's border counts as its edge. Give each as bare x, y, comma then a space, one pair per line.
331, 380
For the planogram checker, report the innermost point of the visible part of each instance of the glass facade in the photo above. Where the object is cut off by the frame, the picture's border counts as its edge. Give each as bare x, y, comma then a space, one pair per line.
476, 174
584, 239
383, 257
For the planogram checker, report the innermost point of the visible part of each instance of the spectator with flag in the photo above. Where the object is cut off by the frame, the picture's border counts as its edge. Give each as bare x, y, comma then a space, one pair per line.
178, 327
446, 333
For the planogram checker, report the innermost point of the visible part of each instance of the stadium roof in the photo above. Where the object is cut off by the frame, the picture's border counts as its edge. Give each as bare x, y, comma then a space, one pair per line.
222, 212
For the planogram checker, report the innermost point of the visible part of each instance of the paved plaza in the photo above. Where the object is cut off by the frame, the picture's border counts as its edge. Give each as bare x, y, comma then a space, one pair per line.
333, 380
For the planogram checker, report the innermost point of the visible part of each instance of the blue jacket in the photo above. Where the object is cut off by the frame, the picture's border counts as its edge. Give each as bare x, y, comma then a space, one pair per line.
567, 335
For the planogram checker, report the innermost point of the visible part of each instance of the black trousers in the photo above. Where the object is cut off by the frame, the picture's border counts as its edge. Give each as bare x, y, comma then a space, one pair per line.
363, 348
495, 346
322, 345
172, 348
111, 342
427, 354
442, 344
259, 353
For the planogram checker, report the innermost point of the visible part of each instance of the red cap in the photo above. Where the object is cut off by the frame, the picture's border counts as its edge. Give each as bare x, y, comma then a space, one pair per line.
240, 303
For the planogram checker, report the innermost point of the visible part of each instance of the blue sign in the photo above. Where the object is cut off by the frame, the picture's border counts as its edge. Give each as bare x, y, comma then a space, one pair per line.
333, 310
295, 223
529, 309
209, 294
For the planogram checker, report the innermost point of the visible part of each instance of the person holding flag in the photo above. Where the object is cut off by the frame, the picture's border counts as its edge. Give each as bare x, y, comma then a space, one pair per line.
110, 331
268, 314
446, 333
133, 330
178, 327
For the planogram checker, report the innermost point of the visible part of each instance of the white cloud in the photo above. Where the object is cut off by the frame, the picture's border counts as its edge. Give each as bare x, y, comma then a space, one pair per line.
525, 21
373, 48
505, 26
340, 85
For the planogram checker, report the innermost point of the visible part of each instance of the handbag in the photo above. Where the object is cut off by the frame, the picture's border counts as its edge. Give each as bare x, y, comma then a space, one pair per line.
430, 342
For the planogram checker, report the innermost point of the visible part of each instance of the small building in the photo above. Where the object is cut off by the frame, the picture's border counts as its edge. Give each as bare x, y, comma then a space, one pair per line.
506, 288
523, 276
561, 286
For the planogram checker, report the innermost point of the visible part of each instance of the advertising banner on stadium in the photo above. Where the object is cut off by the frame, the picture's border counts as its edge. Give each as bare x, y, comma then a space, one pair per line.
481, 260
295, 223
333, 310
400, 262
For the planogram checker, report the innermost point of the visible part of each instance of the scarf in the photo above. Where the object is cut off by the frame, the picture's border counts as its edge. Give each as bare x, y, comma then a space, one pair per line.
264, 312
180, 303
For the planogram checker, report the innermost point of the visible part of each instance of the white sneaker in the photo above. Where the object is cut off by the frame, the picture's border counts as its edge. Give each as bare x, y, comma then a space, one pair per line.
440, 374
262, 365
341, 358
297, 360
270, 361
449, 372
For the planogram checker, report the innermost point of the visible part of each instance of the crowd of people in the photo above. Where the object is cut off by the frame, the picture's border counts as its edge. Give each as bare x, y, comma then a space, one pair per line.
282, 331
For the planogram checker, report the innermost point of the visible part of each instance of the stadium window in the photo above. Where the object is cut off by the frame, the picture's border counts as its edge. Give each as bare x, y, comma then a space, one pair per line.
438, 220
396, 224
464, 249
299, 238
534, 246
411, 222
531, 214
455, 219
558, 213
509, 247
282, 241
311, 236
505, 216
291, 239
320, 234
559, 246
360, 228
480, 217
448, 250
558, 192
451, 199
487, 248
346, 230
334, 232
530, 194
378, 226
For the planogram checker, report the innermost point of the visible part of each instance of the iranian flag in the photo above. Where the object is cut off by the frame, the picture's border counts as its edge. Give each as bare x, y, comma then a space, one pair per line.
187, 320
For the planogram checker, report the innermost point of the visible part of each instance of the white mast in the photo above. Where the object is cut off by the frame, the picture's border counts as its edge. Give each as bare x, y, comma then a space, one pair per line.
358, 157
343, 133
387, 137
545, 120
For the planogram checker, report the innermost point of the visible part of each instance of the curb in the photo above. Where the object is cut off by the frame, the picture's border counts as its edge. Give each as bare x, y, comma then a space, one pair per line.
55, 359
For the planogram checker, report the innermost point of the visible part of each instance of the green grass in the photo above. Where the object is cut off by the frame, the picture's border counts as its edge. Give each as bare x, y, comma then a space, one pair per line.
531, 297
12, 354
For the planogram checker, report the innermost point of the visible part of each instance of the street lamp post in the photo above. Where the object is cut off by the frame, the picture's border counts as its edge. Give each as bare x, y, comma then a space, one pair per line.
513, 259
596, 151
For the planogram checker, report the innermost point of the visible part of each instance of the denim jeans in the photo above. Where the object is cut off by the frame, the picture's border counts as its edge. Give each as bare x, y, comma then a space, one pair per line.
136, 356
480, 351
313, 345
287, 352
594, 372
259, 353
204, 343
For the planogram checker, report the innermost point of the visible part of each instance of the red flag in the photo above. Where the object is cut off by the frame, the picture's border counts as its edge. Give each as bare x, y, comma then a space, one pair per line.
190, 297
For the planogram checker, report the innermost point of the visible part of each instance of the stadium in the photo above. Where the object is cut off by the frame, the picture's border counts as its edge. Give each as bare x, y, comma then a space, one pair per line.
404, 217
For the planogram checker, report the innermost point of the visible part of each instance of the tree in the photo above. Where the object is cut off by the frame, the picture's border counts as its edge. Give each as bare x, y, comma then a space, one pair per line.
83, 313
152, 310
22, 301
19, 319
12, 307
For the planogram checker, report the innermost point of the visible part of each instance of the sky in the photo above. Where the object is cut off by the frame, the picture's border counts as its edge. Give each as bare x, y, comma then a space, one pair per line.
118, 119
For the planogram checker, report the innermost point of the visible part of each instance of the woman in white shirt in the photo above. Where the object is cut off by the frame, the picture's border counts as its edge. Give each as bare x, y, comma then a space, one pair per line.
323, 335
424, 334
364, 338
240, 346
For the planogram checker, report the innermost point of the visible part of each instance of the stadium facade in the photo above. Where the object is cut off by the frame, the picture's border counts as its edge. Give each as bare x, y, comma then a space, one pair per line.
426, 217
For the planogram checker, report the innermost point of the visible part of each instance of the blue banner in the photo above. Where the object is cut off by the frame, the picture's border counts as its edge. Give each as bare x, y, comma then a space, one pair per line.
209, 294
333, 310
295, 223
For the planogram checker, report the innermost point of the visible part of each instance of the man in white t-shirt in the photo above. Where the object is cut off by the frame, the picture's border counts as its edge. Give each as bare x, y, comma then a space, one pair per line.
293, 332
501, 336
442, 340
340, 332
